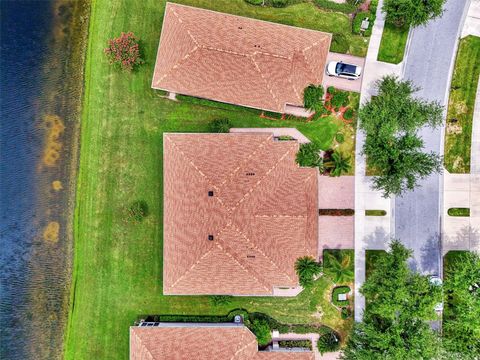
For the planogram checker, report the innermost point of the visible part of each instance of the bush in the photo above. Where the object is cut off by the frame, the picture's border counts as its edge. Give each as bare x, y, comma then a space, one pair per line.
338, 291
306, 268
330, 5
331, 90
336, 212
357, 22
312, 97
339, 43
348, 114
124, 51
220, 126
218, 300
309, 155
289, 344
339, 99
340, 138
346, 313
279, 3
137, 211
255, 2
262, 331
328, 342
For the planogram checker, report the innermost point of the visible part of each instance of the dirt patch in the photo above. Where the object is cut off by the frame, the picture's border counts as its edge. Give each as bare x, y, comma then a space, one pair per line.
55, 128
50, 233
57, 185
453, 128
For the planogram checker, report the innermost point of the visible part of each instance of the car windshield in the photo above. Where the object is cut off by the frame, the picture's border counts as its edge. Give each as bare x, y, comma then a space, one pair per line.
345, 68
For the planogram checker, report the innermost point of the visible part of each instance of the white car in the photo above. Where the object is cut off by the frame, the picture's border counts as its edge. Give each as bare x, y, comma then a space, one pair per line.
437, 281
344, 70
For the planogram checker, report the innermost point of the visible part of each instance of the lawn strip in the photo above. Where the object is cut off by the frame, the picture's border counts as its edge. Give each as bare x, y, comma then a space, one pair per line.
392, 45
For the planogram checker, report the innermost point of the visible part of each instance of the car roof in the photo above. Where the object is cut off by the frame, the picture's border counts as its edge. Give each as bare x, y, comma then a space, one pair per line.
342, 67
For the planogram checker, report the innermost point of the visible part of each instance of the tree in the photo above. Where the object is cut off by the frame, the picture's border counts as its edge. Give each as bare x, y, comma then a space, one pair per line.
412, 12
306, 268
461, 326
328, 342
124, 51
339, 268
399, 302
220, 126
312, 97
262, 331
309, 156
338, 164
391, 122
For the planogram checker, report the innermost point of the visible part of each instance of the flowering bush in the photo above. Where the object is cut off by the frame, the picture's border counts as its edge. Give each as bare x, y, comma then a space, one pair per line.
124, 51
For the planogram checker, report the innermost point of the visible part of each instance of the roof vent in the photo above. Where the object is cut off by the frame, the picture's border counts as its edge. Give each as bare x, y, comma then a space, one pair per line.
250, 174
210, 237
251, 256
210, 193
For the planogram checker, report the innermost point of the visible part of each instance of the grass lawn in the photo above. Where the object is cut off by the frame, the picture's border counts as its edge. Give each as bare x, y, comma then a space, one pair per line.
458, 132
392, 45
117, 272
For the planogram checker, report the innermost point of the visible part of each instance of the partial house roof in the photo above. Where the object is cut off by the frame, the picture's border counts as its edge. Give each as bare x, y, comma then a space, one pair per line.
192, 341
236, 59
263, 214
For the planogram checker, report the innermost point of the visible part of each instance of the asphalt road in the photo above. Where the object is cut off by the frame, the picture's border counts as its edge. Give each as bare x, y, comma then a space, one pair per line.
428, 64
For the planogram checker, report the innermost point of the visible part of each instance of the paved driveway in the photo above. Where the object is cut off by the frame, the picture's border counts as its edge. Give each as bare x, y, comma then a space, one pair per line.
339, 83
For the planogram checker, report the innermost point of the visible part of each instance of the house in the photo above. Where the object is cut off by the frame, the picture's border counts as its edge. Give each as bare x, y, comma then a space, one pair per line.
238, 212
238, 60
202, 342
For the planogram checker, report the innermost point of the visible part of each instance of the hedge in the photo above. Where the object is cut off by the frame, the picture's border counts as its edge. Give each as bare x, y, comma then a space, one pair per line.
289, 344
336, 212
337, 291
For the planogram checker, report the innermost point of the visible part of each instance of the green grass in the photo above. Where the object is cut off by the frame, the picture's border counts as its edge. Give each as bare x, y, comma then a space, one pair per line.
117, 273
458, 132
392, 45
459, 212
337, 291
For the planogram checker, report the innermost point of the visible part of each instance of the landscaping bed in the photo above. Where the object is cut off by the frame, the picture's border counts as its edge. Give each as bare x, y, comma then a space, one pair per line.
340, 290
458, 130
289, 344
459, 212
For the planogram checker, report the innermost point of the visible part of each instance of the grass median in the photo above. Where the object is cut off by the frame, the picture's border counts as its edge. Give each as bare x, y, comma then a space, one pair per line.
118, 264
392, 45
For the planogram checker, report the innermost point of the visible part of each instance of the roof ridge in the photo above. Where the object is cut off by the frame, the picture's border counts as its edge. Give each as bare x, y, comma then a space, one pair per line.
192, 267
243, 347
266, 82
143, 345
264, 177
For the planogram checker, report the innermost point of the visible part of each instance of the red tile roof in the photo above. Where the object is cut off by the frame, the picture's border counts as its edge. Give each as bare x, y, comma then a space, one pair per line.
262, 215
237, 60
202, 343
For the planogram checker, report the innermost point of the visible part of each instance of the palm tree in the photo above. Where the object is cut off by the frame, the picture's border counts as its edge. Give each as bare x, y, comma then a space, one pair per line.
338, 164
339, 269
306, 268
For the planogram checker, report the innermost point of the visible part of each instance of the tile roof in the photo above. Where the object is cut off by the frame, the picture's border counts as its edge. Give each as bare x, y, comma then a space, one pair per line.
262, 215
191, 341
236, 59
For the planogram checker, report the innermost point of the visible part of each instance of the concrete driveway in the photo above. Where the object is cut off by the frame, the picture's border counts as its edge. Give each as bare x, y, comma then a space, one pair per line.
339, 83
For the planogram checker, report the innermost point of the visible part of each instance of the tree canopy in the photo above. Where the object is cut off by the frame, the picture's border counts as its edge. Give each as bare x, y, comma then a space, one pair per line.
399, 303
391, 121
412, 12
309, 156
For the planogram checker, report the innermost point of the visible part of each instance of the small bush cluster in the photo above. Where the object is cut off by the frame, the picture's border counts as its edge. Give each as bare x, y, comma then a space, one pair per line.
289, 344
340, 138
339, 43
313, 97
328, 342
338, 291
309, 156
307, 268
348, 114
124, 51
220, 126
338, 98
336, 212
137, 211
262, 331
346, 313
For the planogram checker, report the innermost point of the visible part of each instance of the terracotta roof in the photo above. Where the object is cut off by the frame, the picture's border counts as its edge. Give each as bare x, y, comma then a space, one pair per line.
237, 60
201, 343
262, 215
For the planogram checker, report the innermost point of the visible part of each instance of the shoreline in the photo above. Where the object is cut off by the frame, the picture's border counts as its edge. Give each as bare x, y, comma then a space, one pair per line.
59, 115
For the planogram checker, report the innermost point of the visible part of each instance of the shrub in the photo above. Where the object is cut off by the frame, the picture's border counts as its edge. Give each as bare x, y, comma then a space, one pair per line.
218, 300
348, 115
137, 211
312, 97
459, 212
306, 268
220, 126
309, 156
357, 22
261, 329
331, 90
279, 3
338, 164
255, 2
339, 99
288, 344
330, 5
339, 265
346, 313
338, 291
124, 51
328, 342
340, 138
339, 43
336, 212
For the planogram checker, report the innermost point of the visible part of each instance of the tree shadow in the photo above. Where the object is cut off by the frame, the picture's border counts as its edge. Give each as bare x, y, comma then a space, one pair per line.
430, 255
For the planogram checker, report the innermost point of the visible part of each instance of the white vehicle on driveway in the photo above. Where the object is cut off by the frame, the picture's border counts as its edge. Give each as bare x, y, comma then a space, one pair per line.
344, 70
